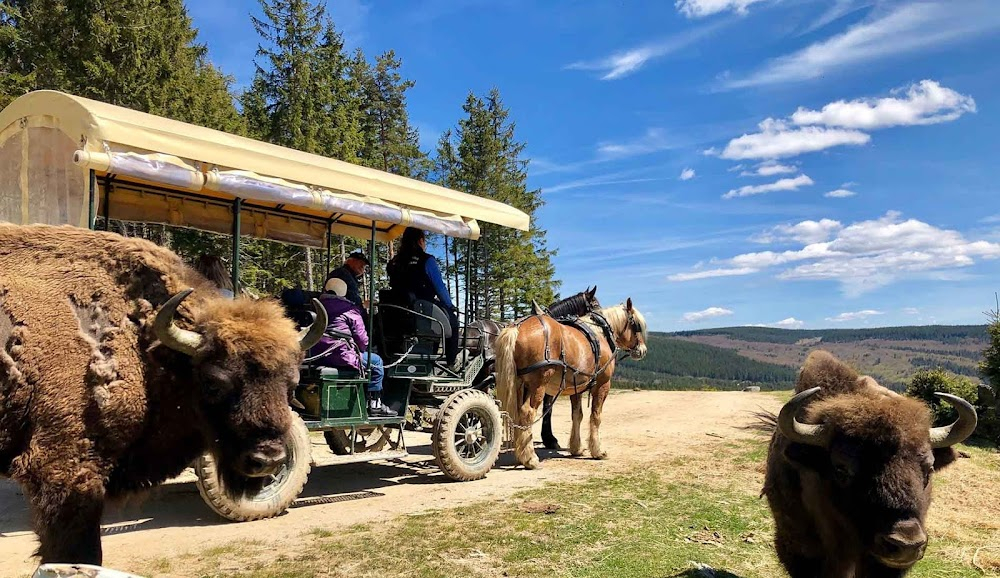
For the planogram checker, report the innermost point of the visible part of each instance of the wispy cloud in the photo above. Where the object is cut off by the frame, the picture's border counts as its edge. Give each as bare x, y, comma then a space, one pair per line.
792, 184
776, 140
768, 169
608, 179
926, 102
917, 27
841, 123
787, 323
687, 174
854, 315
702, 8
867, 255
626, 62
709, 273
654, 140
706, 314
839, 194
839, 9
807, 232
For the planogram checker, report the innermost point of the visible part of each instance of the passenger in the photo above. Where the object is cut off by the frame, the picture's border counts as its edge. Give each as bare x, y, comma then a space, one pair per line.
346, 317
415, 271
214, 270
352, 272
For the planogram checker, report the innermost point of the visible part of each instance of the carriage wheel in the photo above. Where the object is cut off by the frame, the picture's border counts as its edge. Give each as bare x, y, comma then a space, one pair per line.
272, 495
366, 439
467, 435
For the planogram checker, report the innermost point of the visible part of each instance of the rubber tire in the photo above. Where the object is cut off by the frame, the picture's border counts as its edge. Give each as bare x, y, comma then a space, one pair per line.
212, 490
443, 435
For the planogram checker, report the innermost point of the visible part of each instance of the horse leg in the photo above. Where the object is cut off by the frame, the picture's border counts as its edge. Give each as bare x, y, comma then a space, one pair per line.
524, 449
575, 444
599, 393
548, 439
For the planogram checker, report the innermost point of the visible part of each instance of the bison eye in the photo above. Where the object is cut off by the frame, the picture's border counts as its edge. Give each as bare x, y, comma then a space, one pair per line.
217, 380
842, 474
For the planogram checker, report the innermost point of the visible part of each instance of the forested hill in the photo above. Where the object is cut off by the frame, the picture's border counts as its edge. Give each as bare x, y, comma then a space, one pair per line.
940, 333
734, 357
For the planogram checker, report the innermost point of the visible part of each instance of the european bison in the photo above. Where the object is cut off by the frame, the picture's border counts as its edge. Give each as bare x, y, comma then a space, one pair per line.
849, 488
113, 379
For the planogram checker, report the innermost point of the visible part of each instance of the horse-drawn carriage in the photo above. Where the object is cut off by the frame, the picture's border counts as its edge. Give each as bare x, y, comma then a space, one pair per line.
68, 160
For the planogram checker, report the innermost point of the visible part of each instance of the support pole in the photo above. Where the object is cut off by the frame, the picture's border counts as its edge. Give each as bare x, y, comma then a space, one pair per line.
468, 310
371, 297
92, 214
329, 248
237, 209
107, 204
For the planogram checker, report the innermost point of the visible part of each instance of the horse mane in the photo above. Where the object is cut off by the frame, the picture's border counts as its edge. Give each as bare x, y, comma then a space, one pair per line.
617, 318
572, 305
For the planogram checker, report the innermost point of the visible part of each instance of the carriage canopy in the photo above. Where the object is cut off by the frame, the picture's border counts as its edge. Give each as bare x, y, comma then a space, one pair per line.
66, 159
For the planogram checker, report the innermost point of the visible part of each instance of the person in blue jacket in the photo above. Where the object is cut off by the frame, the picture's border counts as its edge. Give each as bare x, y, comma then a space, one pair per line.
416, 271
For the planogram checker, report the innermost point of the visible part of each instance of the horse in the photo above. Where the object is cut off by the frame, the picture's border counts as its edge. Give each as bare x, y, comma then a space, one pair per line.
482, 333
539, 356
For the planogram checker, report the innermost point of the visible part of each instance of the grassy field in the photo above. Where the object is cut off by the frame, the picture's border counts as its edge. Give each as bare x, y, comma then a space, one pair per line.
672, 520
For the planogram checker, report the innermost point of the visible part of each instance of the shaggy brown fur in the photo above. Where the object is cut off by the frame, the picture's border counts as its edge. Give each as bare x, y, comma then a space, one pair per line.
92, 406
841, 510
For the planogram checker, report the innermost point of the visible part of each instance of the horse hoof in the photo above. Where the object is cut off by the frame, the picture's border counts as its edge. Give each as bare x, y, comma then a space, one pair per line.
552, 444
533, 465
601, 456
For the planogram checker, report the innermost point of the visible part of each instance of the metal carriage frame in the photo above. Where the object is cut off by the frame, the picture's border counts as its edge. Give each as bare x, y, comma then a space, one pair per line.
71, 160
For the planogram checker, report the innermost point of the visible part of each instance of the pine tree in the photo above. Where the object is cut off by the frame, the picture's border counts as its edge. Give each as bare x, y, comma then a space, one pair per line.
509, 267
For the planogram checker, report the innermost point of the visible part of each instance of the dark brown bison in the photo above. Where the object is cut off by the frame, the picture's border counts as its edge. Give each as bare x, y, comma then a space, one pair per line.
850, 485
119, 365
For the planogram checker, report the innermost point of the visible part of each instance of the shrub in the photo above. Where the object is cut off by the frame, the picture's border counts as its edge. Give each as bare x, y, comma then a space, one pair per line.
925, 382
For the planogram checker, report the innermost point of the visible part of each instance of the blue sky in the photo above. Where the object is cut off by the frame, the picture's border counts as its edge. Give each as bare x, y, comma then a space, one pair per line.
796, 163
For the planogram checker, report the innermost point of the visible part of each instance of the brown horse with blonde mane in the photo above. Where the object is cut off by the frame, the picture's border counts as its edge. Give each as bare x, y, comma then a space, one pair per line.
540, 356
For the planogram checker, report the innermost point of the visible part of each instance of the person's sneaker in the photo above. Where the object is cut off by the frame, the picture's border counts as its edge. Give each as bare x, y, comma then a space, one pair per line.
378, 409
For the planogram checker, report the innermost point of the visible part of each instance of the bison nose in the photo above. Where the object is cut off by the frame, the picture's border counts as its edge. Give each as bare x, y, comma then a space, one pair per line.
903, 546
263, 462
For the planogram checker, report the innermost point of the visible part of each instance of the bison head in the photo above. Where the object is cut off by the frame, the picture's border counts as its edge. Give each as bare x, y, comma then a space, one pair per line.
245, 358
866, 456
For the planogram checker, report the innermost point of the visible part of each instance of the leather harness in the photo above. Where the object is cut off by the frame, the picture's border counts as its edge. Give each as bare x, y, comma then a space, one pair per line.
595, 346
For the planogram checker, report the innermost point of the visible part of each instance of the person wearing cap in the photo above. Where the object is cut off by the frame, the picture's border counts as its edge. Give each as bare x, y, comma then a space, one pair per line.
346, 317
415, 271
352, 273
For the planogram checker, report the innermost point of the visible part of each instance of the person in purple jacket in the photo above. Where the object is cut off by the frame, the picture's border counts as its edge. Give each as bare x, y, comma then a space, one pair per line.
346, 317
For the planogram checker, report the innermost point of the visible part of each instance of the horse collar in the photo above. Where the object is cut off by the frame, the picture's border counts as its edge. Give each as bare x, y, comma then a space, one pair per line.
606, 329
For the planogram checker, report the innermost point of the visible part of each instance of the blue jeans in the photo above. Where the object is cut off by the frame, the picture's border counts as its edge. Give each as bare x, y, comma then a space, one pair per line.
377, 372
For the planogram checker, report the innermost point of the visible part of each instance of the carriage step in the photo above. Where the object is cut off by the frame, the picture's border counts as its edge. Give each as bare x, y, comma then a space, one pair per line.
366, 457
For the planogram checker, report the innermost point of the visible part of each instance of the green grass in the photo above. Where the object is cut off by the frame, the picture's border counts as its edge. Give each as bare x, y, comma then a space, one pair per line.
659, 521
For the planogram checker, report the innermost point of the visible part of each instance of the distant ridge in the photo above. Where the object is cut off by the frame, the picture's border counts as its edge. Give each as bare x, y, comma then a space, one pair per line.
734, 357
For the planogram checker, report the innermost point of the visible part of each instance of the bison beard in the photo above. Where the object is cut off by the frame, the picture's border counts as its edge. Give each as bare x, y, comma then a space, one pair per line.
119, 366
850, 488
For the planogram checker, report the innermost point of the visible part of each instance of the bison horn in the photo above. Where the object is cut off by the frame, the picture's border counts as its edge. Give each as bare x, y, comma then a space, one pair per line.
796, 431
174, 337
949, 435
310, 335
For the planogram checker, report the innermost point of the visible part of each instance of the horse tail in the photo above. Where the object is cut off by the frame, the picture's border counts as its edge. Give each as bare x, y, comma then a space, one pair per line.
508, 391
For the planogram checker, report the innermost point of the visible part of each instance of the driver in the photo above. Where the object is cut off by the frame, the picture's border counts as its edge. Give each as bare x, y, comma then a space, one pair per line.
415, 271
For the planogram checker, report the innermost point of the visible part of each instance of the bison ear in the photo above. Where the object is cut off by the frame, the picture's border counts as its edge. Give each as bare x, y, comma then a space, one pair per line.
944, 457
807, 457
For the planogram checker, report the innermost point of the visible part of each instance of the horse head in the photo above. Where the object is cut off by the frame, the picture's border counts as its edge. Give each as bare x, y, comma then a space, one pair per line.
629, 328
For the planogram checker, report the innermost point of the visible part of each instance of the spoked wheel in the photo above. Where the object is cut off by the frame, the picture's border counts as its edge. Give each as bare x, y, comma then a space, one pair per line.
260, 497
366, 439
467, 435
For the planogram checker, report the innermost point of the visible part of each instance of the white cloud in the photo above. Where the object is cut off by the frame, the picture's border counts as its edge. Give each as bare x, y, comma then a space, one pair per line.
854, 315
705, 314
911, 311
777, 140
707, 274
867, 254
788, 323
769, 169
781, 185
917, 27
807, 232
702, 8
839, 194
926, 102
653, 141
687, 174
839, 9
624, 63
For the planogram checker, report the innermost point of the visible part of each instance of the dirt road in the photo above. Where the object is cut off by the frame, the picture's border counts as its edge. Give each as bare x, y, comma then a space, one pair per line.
637, 427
